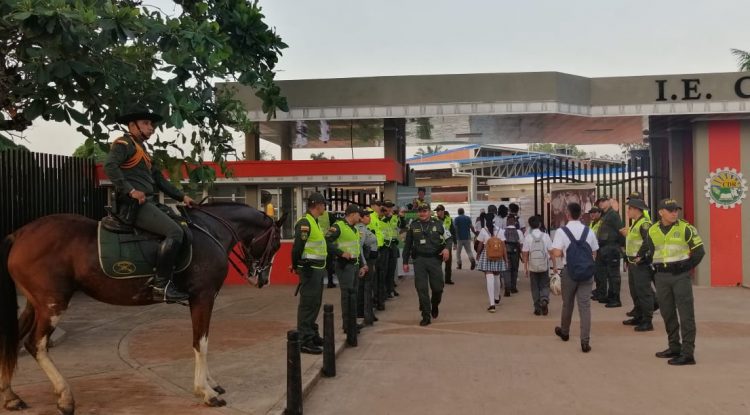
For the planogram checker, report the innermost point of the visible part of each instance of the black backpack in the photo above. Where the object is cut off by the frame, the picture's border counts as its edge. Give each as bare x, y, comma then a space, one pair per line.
579, 256
512, 241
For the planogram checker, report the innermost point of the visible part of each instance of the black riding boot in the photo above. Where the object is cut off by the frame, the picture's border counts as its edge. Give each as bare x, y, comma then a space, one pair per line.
163, 287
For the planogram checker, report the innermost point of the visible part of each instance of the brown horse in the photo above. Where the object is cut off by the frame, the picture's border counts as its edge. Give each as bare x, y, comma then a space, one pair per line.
52, 257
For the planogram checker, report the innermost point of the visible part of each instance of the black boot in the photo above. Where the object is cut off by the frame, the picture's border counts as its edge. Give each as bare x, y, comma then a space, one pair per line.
162, 285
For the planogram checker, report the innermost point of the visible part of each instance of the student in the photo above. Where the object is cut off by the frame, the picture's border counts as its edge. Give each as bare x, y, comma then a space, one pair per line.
513, 240
577, 274
536, 256
491, 244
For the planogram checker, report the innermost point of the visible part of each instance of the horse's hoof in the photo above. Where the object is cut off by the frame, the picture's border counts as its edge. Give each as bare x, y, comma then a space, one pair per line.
218, 389
216, 402
66, 411
16, 405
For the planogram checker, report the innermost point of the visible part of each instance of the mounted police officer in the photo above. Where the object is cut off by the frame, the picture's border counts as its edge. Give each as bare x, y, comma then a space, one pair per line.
639, 273
309, 253
675, 248
428, 245
138, 180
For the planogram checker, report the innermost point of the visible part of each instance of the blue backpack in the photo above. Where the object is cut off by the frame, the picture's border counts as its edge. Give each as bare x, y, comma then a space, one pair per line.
579, 256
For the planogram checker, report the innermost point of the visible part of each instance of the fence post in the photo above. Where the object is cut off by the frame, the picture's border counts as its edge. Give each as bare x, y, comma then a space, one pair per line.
293, 374
329, 342
351, 322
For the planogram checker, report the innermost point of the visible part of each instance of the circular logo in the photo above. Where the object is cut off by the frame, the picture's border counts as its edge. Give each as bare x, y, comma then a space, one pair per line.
123, 267
726, 188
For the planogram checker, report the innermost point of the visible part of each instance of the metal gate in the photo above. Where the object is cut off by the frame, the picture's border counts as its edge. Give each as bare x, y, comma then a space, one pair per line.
616, 179
338, 199
33, 185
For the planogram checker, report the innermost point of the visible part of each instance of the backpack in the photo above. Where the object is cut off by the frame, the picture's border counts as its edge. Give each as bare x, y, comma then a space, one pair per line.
579, 256
512, 241
538, 256
495, 248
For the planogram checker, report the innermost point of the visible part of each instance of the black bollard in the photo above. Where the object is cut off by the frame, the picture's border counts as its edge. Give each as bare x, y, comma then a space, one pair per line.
351, 323
329, 343
293, 374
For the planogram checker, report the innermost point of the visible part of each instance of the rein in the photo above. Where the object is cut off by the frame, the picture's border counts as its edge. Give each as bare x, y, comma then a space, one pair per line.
258, 266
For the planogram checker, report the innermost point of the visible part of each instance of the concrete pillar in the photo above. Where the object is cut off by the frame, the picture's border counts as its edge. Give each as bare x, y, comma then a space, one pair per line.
286, 133
394, 139
702, 207
251, 196
252, 143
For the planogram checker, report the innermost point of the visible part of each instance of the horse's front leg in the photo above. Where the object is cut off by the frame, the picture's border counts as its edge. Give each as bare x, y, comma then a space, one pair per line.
203, 385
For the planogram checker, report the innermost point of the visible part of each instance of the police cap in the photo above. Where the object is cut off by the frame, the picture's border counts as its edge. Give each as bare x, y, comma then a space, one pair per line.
388, 203
353, 208
637, 203
316, 198
423, 206
635, 195
669, 204
439, 208
595, 210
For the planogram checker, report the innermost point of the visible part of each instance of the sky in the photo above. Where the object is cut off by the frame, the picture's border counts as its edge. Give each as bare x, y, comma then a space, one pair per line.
592, 38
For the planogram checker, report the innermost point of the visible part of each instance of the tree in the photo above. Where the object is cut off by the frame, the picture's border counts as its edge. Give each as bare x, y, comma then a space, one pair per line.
429, 150
92, 150
743, 59
265, 155
320, 156
86, 61
552, 148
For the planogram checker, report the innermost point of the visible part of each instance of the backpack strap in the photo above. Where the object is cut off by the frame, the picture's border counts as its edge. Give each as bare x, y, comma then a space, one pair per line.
568, 233
584, 234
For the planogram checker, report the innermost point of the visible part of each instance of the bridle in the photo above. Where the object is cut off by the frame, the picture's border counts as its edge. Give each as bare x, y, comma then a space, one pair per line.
255, 266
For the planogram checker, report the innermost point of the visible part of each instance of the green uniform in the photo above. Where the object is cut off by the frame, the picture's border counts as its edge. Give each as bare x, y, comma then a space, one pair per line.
344, 238
309, 254
391, 228
610, 244
600, 275
640, 275
448, 226
425, 240
675, 250
129, 167
381, 263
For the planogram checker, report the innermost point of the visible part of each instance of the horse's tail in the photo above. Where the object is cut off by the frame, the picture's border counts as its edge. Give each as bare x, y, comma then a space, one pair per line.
8, 314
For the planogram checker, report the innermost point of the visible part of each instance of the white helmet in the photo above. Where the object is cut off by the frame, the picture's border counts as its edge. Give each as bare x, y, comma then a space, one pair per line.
554, 284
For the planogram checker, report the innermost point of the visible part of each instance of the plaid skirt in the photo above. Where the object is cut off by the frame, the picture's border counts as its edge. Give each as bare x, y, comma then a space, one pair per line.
486, 265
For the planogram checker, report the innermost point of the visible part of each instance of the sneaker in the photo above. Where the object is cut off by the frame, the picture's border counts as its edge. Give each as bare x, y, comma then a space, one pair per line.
491, 309
545, 307
435, 311
497, 301
473, 264
559, 333
585, 347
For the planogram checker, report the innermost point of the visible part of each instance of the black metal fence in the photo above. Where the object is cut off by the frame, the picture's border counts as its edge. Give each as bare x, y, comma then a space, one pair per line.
616, 179
338, 199
33, 185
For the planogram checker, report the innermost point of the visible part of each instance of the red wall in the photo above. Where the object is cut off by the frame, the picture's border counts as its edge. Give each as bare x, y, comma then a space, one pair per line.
280, 274
726, 224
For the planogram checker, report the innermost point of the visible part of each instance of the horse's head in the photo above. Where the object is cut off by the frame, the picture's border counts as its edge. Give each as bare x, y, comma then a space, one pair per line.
258, 235
260, 249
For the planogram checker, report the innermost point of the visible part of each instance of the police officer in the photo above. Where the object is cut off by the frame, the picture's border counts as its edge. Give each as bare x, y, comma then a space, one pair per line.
370, 251
420, 200
427, 246
138, 180
344, 244
600, 275
639, 273
309, 254
447, 221
610, 245
390, 228
675, 248
381, 263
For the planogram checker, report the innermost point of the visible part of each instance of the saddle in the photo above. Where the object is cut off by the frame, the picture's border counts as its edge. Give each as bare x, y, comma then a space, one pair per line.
126, 251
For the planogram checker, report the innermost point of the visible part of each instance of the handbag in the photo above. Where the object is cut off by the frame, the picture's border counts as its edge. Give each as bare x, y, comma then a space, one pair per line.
555, 284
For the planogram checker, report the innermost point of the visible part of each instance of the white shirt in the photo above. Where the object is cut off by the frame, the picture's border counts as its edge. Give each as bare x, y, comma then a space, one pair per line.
499, 222
484, 235
528, 240
562, 242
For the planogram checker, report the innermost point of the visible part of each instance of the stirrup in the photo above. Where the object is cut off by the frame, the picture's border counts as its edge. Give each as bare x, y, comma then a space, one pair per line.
160, 294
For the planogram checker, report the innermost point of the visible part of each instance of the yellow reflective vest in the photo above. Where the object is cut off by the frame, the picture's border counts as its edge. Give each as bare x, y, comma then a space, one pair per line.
671, 247
315, 246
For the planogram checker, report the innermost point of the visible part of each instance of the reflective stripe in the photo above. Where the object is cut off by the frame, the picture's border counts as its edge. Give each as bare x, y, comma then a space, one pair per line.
595, 226
136, 158
671, 247
634, 241
315, 246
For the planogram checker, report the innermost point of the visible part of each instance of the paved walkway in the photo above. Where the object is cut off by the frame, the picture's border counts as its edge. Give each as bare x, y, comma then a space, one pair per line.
474, 362
139, 360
